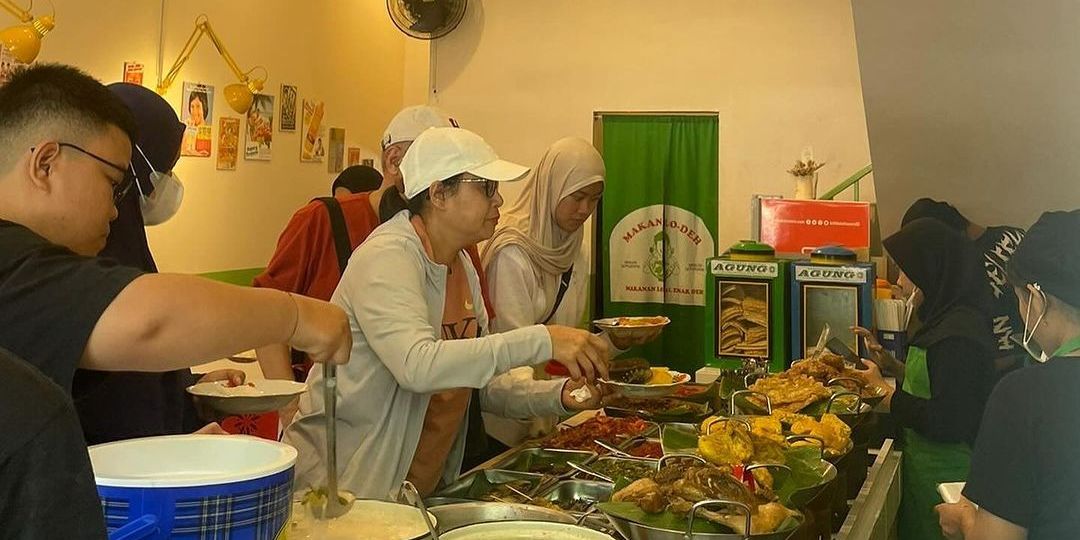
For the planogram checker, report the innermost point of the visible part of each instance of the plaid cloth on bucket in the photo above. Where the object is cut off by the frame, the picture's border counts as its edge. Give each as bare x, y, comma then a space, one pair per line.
259, 515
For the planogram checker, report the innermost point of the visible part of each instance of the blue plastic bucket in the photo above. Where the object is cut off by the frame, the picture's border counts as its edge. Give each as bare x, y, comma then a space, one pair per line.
195, 486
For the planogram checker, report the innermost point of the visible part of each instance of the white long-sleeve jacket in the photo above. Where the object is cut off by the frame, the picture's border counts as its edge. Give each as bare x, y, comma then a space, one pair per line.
393, 295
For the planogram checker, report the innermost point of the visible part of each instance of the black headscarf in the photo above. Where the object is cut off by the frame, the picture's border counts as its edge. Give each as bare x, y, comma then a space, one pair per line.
939, 210
942, 263
160, 134
118, 404
1050, 256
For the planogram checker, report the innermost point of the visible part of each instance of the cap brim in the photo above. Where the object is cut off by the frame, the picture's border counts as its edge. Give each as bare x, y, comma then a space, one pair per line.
500, 171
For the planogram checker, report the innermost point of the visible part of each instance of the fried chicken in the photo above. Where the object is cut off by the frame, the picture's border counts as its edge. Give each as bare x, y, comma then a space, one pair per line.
790, 391
677, 487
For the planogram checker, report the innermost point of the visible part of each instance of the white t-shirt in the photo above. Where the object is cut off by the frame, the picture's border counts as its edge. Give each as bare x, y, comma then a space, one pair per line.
520, 300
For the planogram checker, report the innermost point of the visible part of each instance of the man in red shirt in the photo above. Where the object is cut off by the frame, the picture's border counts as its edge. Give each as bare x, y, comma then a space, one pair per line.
305, 260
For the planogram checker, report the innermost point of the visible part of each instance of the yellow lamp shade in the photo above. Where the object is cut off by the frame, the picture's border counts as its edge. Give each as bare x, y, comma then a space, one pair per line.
24, 40
239, 97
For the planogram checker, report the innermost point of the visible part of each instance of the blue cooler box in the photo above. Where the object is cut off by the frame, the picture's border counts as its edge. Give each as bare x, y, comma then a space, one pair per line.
195, 486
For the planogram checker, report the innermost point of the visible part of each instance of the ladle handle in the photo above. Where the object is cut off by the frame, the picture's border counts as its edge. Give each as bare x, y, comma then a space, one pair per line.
330, 404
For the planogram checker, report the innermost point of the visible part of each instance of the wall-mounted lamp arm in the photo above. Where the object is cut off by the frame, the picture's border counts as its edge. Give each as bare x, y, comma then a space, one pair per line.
185, 54
203, 28
20, 13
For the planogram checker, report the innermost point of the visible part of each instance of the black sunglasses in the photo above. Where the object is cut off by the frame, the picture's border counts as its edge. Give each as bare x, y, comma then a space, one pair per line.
120, 188
491, 187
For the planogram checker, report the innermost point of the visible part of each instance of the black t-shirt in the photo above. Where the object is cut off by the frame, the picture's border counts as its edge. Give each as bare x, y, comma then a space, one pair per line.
51, 299
47, 487
995, 247
1025, 468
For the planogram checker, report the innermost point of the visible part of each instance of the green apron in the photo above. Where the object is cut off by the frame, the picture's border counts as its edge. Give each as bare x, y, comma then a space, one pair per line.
926, 463
1069, 346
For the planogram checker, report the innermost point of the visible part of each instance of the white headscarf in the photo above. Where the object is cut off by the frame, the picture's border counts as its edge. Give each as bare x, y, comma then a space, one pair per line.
568, 165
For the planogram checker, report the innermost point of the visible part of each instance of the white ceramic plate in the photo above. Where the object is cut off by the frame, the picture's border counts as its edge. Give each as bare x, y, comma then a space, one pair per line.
650, 390
253, 397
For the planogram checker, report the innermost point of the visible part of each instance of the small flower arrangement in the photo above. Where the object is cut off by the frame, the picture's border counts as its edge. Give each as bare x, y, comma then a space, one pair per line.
805, 168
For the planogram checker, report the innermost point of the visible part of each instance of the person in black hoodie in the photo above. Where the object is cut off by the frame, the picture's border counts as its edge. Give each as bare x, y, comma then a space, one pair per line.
948, 373
115, 405
994, 246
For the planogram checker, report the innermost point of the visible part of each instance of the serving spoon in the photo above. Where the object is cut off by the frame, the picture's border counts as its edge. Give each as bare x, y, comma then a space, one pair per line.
338, 503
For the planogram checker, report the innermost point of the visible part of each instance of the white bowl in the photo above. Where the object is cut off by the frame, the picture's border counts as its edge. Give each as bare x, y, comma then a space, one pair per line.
650, 390
188, 460
647, 332
253, 397
523, 530
366, 519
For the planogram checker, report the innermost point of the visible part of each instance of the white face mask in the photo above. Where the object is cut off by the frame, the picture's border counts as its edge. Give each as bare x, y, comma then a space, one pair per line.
164, 201
909, 306
1028, 335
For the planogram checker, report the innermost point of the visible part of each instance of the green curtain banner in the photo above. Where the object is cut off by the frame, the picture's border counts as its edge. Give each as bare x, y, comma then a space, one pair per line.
657, 227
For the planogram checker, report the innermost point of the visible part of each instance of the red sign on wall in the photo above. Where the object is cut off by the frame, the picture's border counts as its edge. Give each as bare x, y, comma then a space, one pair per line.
800, 226
133, 72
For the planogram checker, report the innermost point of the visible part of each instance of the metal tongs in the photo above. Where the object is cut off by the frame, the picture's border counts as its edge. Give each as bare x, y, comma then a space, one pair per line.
614, 451
338, 503
819, 349
412, 496
590, 472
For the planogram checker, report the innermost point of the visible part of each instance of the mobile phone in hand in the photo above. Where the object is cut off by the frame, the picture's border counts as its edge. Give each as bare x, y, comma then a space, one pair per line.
838, 347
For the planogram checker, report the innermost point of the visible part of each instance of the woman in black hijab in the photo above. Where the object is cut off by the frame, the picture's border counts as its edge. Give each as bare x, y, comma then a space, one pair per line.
160, 136
948, 372
124, 405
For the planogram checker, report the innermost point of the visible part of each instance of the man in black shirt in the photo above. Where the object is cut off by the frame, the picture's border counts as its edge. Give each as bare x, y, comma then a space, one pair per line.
993, 246
1025, 475
65, 152
46, 485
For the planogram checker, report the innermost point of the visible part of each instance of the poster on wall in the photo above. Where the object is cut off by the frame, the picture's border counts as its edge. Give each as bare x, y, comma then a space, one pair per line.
368, 162
197, 112
228, 143
312, 147
354, 156
133, 72
336, 163
260, 128
287, 115
8, 64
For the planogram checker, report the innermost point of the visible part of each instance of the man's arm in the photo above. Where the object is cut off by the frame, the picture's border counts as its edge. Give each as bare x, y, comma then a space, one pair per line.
991, 527
163, 322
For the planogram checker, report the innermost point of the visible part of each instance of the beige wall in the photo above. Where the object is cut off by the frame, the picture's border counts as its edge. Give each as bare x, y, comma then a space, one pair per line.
973, 102
783, 74
346, 53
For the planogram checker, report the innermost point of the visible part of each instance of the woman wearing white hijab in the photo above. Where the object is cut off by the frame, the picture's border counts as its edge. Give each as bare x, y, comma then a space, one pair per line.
537, 272
539, 240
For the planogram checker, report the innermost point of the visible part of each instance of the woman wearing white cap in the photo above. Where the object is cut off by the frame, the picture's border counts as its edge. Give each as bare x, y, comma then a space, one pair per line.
537, 271
420, 334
